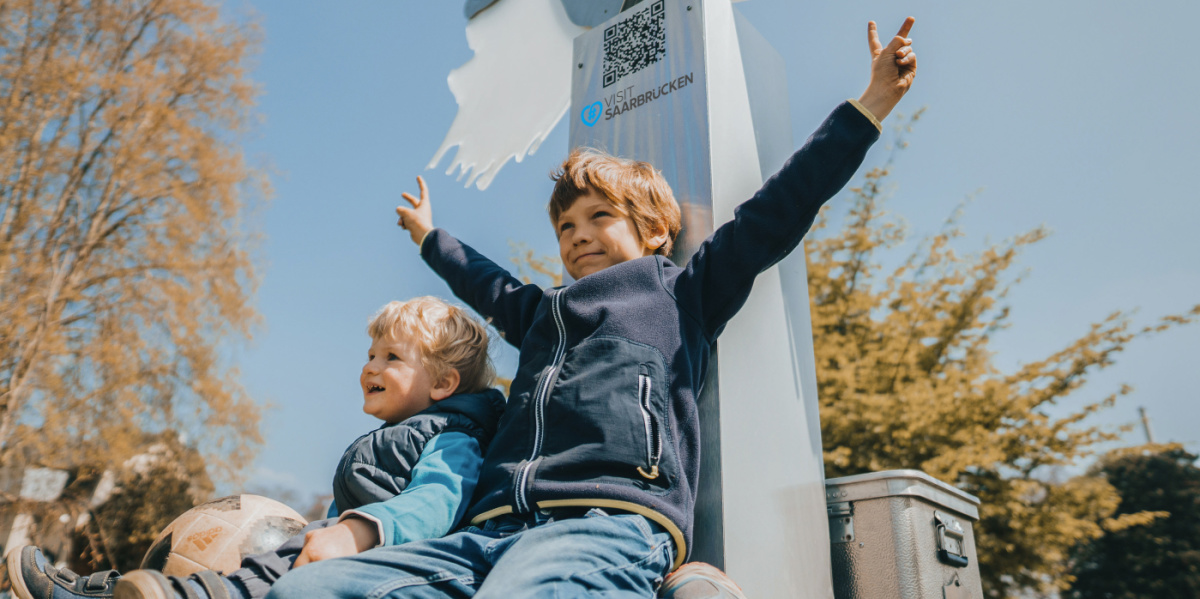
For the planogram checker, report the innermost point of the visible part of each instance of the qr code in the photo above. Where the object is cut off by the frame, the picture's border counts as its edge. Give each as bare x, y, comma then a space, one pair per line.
635, 43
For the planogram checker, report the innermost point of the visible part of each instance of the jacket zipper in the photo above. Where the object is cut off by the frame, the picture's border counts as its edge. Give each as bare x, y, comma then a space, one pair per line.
653, 440
539, 405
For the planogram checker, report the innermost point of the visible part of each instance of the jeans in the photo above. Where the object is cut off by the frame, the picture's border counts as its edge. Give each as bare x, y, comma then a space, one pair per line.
540, 555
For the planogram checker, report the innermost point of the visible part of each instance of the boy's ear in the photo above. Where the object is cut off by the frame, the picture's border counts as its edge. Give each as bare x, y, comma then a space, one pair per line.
658, 237
446, 386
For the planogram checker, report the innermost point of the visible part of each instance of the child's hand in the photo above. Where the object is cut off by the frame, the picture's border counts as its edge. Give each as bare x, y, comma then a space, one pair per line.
417, 220
348, 537
893, 69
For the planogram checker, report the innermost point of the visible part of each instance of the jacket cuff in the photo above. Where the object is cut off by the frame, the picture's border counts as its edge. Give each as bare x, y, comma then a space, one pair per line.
369, 518
866, 113
421, 246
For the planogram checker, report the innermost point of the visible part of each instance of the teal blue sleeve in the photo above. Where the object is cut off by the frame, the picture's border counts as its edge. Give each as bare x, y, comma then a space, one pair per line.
436, 496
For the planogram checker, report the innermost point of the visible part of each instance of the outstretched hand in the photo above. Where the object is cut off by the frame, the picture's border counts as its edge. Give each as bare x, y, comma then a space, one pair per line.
893, 68
417, 220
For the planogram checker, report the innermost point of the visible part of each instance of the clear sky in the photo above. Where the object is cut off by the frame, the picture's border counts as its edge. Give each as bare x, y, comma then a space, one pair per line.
1077, 115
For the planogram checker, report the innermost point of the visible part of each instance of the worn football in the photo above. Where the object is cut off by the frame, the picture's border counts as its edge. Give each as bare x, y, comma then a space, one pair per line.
218, 534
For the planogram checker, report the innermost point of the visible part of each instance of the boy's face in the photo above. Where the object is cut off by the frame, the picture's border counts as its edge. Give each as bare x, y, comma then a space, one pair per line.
394, 382
593, 235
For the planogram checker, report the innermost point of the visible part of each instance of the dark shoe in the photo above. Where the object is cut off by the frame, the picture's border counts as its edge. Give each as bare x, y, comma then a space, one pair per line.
152, 584
698, 580
33, 577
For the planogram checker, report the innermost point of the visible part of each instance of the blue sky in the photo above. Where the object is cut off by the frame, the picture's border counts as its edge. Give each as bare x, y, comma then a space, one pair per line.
1076, 115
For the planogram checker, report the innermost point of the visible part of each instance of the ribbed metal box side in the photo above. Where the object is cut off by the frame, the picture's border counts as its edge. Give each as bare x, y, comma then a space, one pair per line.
894, 549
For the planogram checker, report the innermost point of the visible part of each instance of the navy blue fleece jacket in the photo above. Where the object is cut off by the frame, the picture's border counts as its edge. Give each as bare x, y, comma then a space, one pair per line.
602, 411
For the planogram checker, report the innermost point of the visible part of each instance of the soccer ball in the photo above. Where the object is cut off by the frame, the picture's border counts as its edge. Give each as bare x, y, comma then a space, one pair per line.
218, 534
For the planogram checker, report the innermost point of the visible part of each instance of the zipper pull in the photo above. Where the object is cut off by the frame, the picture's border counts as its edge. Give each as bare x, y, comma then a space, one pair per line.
651, 475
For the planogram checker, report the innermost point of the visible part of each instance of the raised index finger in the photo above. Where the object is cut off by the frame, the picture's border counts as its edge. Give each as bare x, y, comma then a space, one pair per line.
906, 27
424, 190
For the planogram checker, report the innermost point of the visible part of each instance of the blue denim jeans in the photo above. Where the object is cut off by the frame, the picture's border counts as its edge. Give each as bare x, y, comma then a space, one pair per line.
537, 556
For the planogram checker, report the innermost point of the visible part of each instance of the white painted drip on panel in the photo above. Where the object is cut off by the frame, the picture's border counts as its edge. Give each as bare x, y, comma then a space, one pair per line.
513, 91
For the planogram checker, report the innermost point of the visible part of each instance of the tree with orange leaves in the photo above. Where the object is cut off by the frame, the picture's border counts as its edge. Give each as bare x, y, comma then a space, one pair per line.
124, 258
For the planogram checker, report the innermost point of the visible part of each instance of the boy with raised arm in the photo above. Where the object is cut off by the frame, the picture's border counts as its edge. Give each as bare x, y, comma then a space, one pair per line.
590, 483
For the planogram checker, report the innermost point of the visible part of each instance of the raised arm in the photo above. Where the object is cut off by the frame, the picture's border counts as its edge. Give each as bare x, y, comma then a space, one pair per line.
487, 287
768, 226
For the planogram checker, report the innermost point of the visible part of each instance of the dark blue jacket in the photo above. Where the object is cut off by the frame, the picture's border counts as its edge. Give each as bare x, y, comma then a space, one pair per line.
378, 465
602, 411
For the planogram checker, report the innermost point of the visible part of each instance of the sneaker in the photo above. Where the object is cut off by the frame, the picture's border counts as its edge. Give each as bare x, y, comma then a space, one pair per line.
33, 577
698, 580
152, 584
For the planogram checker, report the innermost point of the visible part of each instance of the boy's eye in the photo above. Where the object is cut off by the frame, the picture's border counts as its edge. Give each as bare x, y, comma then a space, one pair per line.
393, 357
370, 357
602, 213
564, 227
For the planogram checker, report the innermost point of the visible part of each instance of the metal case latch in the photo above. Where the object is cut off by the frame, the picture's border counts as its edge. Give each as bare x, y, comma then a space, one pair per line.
841, 522
950, 540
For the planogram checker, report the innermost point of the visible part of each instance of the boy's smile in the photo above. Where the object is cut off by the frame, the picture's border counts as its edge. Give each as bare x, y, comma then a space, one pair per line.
594, 235
394, 381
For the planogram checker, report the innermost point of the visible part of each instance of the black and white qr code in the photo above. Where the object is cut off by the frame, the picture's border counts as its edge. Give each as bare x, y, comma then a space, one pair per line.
635, 43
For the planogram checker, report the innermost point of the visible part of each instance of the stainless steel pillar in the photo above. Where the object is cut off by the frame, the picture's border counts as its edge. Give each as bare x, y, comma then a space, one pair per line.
690, 87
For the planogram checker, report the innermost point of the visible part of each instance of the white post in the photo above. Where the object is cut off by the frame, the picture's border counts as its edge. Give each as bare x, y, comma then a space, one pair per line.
690, 87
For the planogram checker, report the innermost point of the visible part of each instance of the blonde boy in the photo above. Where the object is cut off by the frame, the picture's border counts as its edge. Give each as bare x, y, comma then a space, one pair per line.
427, 377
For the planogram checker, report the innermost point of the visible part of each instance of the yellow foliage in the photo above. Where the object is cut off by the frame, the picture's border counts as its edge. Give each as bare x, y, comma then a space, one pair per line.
906, 380
124, 263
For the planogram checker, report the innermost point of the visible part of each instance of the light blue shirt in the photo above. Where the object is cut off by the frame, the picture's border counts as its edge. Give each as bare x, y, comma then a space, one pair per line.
436, 496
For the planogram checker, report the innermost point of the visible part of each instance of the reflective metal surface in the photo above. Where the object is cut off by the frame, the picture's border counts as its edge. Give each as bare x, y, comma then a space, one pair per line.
590, 13
913, 537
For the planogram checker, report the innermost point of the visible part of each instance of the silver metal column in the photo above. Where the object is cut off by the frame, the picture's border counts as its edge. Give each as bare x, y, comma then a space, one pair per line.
690, 87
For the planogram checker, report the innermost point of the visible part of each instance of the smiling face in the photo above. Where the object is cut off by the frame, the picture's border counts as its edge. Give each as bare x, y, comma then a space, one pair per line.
394, 381
594, 235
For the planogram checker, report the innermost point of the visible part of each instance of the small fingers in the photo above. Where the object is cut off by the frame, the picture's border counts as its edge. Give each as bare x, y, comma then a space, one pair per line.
898, 43
401, 211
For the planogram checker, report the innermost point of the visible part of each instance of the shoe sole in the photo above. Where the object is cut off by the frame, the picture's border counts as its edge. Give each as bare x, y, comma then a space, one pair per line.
15, 578
140, 585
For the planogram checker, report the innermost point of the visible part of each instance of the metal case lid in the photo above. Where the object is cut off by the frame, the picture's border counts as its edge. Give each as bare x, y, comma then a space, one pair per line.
891, 483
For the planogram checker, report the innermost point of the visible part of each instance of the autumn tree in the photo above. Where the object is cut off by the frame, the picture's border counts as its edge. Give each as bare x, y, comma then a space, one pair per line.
1160, 558
906, 379
165, 479
124, 254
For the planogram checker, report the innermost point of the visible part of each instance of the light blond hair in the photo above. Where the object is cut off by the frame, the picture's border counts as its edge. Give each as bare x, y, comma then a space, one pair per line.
634, 188
447, 337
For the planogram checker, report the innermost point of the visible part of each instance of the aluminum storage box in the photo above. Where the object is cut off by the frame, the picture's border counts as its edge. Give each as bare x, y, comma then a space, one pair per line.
901, 534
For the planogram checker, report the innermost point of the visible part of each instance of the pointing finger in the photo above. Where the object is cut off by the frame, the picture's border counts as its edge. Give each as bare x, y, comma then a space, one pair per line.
906, 27
873, 39
424, 190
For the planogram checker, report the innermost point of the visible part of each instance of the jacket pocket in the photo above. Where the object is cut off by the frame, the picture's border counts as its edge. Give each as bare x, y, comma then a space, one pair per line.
606, 417
653, 432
